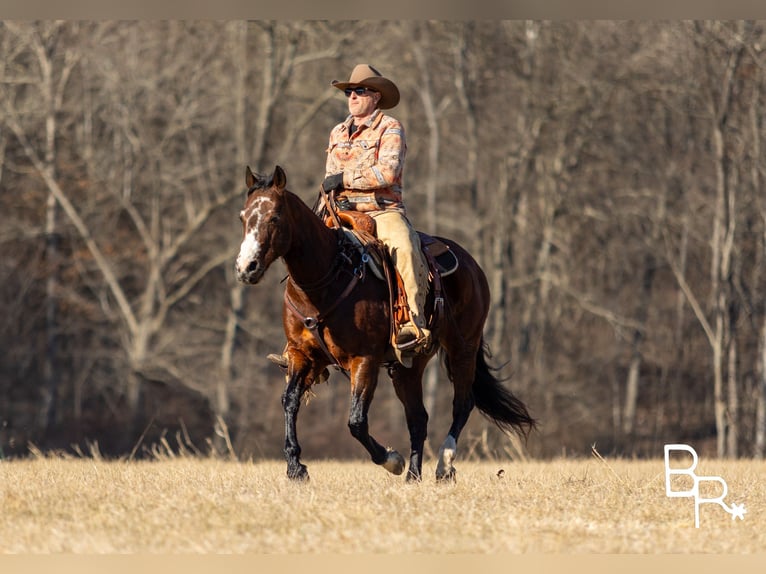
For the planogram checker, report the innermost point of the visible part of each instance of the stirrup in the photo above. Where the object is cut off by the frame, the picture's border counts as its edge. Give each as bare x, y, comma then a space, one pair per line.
410, 337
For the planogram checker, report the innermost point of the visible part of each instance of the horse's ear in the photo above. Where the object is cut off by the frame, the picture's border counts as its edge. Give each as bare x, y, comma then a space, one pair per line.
249, 178
279, 178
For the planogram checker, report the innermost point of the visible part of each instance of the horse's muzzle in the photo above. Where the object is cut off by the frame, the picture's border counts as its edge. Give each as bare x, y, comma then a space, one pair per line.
251, 274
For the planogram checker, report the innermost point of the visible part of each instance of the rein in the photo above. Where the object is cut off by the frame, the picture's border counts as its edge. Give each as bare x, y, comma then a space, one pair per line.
329, 202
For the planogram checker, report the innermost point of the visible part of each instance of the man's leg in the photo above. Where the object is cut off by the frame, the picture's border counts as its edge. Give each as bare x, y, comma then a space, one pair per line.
395, 231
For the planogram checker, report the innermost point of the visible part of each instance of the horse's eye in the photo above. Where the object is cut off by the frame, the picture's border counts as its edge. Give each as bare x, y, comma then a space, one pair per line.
274, 220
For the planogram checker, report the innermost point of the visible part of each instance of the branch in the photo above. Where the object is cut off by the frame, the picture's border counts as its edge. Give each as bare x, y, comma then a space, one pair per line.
610, 316
309, 112
79, 224
194, 225
193, 279
696, 307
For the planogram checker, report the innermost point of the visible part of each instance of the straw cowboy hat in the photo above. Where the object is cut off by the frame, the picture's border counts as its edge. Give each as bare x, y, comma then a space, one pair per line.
368, 77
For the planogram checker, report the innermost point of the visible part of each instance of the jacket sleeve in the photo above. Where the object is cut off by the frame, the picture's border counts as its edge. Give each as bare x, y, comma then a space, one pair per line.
331, 165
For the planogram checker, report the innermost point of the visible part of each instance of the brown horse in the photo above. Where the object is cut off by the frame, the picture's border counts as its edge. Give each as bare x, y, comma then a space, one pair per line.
336, 313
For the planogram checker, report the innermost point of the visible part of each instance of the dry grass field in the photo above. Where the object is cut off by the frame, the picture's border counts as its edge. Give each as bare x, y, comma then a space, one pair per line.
212, 506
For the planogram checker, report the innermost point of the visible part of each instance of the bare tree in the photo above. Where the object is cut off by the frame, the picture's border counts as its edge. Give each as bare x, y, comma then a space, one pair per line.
48, 45
607, 175
720, 330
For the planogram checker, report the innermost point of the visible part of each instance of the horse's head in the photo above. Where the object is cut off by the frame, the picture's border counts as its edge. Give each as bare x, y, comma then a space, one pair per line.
266, 234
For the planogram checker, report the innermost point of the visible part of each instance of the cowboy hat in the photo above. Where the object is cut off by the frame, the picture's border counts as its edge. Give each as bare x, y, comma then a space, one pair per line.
368, 77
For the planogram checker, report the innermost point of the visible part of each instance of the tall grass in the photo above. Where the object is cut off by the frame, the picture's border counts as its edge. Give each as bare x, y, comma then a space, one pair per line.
194, 504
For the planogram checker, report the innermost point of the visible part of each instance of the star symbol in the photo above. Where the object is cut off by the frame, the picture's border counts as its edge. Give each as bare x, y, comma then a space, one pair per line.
738, 511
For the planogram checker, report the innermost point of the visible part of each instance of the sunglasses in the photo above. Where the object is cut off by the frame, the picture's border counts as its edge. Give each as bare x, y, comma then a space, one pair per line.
359, 91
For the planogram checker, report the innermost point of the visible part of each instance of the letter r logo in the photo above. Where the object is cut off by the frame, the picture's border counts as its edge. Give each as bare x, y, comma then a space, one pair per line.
736, 510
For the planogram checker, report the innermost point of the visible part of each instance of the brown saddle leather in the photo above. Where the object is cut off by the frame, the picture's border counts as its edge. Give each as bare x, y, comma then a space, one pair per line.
355, 220
438, 254
440, 259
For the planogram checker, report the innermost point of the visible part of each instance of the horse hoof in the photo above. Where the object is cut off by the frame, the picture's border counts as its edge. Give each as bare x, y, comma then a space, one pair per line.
445, 472
413, 477
394, 462
298, 474
449, 476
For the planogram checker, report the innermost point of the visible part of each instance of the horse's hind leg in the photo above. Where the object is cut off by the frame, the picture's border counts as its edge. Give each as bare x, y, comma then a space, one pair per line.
364, 379
462, 367
408, 384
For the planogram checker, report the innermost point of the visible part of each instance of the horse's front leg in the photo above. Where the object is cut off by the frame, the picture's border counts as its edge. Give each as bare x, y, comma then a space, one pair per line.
364, 379
298, 381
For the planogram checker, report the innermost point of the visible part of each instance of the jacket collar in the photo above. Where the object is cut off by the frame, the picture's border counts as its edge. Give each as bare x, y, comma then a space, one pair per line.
371, 122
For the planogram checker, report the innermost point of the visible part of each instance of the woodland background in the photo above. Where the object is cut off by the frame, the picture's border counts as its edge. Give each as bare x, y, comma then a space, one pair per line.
609, 176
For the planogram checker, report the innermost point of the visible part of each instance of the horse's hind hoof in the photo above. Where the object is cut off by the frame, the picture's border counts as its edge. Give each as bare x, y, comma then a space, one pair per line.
447, 477
445, 472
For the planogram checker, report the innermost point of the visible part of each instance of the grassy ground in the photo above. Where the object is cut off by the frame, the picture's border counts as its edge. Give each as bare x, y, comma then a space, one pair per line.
197, 505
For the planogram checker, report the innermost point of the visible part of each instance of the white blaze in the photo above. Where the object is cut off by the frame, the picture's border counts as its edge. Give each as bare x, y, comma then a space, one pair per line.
251, 247
248, 251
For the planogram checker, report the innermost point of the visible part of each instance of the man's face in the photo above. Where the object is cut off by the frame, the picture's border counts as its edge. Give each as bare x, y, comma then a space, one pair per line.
362, 105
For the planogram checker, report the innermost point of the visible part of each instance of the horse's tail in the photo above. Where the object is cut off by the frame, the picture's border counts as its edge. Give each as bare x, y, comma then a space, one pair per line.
495, 401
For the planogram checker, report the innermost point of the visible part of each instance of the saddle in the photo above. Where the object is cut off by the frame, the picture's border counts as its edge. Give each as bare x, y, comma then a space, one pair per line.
360, 229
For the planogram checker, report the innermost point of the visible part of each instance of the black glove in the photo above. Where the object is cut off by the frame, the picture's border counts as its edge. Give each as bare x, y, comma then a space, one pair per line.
332, 182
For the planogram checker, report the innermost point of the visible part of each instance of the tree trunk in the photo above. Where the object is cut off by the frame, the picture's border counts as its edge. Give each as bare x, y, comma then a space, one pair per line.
720, 267
469, 109
644, 301
759, 438
633, 379
631, 389
236, 295
760, 418
497, 264
51, 381
431, 114
732, 436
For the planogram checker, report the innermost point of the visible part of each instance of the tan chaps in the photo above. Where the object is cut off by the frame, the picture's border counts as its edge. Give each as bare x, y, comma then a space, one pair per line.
394, 229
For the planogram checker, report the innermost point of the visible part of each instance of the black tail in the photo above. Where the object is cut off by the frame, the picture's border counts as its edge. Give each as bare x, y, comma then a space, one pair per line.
496, 402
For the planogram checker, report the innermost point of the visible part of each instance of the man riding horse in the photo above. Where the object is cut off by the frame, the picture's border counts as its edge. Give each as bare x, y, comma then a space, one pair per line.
332, 316
365, 160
